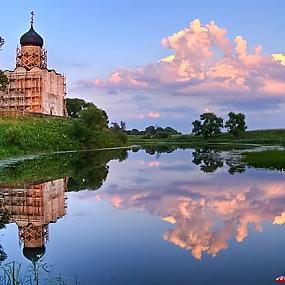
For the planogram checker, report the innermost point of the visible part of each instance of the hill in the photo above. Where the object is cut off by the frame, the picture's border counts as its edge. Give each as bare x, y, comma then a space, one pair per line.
30, 135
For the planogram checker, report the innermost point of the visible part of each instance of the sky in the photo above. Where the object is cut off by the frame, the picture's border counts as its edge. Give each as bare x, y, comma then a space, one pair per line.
162, 62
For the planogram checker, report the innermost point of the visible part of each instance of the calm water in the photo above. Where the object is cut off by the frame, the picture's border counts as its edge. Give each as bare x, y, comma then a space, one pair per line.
183, 217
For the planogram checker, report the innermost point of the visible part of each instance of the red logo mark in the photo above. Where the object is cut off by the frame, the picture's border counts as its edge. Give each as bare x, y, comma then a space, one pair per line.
280, 279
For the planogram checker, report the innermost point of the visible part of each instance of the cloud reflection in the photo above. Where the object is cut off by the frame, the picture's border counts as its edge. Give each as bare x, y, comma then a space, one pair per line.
205, 210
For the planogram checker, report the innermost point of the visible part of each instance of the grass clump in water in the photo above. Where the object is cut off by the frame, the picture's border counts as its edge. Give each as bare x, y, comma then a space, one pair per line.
269, 159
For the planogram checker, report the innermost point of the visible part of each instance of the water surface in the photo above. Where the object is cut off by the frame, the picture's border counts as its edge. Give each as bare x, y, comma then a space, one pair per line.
142, 217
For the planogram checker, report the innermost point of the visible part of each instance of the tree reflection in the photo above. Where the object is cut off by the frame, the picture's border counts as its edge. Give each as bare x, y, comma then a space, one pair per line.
4, 220
86, 170
158, 149
32, 193
210, 160
90, 170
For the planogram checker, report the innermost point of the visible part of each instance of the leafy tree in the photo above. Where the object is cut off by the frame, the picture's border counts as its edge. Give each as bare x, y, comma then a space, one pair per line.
1, 42
89, 126
150, 130
123, 126
134, 132
93, 118
159, 130
118, 127
209, 125
171, 131
3, 78
4, 81
197, 128
115, 127
75, 105
118, 130
236, 124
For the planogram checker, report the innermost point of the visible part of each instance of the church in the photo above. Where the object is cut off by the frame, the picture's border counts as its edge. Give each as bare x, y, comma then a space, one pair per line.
33, 88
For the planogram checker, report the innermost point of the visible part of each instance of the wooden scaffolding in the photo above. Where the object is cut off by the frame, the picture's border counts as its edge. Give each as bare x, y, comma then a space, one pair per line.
23, 94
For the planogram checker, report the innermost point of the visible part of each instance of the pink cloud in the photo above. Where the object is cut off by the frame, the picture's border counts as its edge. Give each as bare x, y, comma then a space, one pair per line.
154, 164
203, 60
153, 115
196, 209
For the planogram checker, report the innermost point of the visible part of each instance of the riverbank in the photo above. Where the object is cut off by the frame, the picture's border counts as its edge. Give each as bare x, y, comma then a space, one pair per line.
257, 137
32, 135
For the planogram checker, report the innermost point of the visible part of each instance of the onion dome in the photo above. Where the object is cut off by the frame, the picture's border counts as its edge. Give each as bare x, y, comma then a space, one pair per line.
32, 38
34, 253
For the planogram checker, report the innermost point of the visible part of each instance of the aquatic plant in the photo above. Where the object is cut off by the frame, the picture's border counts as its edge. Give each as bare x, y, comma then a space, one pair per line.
13, 273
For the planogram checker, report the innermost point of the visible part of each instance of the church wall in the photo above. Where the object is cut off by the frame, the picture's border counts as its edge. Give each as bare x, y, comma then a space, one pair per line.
54, 192
53, 93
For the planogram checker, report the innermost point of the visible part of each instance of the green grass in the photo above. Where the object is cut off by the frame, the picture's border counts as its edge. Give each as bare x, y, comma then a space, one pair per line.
19, 135
261, 137
31, 135
271, 159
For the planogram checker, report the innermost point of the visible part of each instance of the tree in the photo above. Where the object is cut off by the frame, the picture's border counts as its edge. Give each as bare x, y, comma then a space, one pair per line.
118, 130
1, 42
209, 125
4, 81
134, 132
123, 126
150, 130
3, 78
90, 125
171, 131
75, 105
197, 128
115, 127
236, 124
93, 118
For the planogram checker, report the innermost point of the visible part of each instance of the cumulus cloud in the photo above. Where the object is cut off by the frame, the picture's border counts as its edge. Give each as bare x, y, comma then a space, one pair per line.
204, 60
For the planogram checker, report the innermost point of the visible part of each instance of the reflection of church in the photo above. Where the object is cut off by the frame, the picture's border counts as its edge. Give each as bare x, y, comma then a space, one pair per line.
33, 88
32, 208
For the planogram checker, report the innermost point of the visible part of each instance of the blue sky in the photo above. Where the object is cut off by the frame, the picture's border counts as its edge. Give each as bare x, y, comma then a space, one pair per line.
90, 40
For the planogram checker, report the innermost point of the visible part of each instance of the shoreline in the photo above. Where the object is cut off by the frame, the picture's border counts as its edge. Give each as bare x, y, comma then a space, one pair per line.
10, 160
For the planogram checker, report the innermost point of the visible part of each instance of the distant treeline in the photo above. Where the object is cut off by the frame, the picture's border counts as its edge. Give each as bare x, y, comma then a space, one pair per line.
154, 132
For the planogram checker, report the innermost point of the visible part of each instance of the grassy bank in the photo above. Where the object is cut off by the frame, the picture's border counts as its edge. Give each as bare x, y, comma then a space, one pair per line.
271, 159
26, 135
260, 137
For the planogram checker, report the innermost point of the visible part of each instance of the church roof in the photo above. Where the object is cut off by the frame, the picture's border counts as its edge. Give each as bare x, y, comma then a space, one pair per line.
31, 38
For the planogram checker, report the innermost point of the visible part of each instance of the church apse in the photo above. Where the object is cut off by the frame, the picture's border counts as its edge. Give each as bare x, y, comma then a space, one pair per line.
33, 208
33, 88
